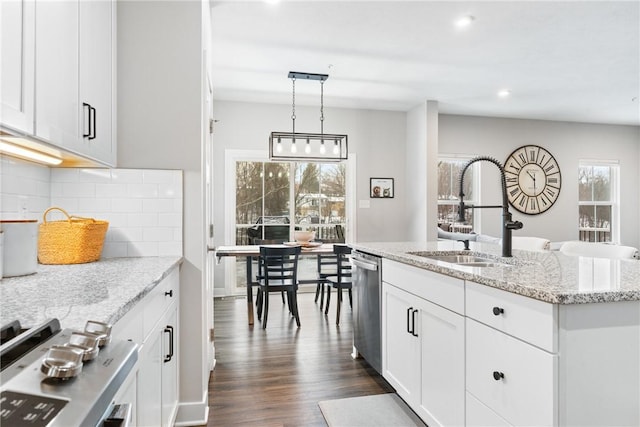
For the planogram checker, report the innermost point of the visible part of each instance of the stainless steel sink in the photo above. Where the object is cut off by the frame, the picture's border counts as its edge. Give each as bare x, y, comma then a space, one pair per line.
463, 260
456, 259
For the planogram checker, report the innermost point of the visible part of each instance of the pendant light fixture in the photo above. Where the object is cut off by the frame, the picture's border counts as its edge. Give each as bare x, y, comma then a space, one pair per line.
307, 146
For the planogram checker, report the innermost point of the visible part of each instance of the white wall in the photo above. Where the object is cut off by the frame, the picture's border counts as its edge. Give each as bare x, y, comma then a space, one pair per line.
568, 142
416, 173
377, 138
160, 101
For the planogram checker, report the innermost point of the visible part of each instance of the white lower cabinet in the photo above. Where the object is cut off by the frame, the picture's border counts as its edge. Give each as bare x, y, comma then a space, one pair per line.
423, 348
512, 377
153, 324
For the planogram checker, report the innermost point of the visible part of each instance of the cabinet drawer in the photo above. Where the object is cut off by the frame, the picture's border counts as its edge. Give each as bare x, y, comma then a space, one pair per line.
525, 390
445, 291
526, 318
479, 415
159, 299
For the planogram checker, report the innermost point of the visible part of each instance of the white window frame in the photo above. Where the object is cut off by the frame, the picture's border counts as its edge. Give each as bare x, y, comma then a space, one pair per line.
231, 157
477, 216
614, 202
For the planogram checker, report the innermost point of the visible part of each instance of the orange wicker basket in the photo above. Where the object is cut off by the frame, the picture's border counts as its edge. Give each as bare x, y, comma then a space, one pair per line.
75, 240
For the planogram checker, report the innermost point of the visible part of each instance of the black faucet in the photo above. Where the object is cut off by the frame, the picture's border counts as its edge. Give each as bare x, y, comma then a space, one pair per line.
507, 223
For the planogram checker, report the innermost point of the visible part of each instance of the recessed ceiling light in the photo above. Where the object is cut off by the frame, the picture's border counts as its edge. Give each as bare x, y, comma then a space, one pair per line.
272, 1
464, 21
504, 93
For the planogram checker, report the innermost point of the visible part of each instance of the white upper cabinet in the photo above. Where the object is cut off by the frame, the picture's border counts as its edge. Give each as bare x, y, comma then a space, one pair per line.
97, 83
17, 36
57, 96
74, 77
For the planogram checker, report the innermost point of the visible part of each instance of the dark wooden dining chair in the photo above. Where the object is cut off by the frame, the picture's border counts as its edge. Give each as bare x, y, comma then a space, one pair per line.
327, 265
279, 272
261, 242
342, 280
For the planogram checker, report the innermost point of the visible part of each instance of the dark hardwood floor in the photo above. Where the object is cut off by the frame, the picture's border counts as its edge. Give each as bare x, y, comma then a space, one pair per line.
277, 376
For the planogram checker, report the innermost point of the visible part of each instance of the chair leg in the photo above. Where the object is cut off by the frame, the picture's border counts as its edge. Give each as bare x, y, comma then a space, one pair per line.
265, 298
317, 292
282, 295
326, 307
259, 302
338, 304
322, 290
350, 299
294, 307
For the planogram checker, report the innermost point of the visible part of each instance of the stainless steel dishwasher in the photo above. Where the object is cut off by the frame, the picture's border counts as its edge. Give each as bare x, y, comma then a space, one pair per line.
367, 279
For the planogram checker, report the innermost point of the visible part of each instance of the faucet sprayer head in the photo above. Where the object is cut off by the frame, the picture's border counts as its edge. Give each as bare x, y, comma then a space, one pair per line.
461, 209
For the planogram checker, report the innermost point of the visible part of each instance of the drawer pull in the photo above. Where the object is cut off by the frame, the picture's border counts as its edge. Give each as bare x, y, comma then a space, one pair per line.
170, 293
498, 311
498, 375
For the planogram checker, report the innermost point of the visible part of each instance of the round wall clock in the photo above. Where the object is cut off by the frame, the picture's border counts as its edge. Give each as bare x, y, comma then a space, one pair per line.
533, 179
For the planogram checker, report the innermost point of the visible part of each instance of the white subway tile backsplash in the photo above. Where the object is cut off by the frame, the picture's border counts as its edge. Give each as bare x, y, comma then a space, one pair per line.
95, 175
170, 248
169, 220
66, 175
23, 188
142, 220
170, 190
157, 234
114, 249
127, 176
142, 249
120, 204
90, 205
111, 190
158, 177
79, 189
142, 190
143, 206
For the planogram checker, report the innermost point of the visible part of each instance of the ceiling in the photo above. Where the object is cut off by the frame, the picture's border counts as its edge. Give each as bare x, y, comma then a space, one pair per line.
568, 61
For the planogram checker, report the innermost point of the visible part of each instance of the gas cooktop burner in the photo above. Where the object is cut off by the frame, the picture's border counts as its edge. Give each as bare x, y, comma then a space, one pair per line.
75, 374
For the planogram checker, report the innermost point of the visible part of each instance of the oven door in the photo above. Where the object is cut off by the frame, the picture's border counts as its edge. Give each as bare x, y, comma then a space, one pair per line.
119, 415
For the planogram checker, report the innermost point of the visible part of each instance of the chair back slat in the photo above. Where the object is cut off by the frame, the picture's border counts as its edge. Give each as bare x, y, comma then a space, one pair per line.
342, 253
279, 264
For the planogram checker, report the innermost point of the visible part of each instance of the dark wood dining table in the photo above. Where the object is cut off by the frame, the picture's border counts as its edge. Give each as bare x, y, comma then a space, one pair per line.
250, 251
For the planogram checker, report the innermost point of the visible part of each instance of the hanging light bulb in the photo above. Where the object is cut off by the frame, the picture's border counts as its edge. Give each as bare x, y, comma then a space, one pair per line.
307, 148
336, 149
293, 146
279, 146
323, 149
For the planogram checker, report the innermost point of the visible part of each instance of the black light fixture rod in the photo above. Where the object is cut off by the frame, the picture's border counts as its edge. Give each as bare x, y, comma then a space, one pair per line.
308, 76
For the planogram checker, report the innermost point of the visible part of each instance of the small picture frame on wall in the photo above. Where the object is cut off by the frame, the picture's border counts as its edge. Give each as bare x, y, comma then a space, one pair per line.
381, 188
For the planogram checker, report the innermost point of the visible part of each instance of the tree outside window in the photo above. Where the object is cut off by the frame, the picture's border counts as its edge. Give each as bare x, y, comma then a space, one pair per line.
449, 170
596, 201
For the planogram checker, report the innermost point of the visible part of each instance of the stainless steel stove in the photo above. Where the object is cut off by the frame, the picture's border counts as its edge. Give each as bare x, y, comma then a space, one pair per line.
61, 378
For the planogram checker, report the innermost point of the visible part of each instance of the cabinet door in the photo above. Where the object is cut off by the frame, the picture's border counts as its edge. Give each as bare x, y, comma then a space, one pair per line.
96, 20
401, 349
57, 117
17, 51
442, 339
149, 402
170, 368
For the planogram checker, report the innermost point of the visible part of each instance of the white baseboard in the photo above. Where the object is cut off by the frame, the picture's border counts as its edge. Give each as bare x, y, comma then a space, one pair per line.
193, 413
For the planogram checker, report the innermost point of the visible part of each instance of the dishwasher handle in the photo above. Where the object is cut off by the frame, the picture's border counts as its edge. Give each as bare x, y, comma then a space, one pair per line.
359, 262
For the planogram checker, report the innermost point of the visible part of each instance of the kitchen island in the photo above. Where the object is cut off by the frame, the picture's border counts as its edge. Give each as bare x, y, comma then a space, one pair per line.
537, 339
103, 291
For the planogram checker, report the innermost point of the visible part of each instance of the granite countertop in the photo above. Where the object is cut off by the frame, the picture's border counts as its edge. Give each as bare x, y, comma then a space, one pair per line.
103, 291
547, 276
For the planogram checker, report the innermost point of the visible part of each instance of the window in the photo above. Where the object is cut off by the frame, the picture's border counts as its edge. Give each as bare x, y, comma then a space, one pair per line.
598, 201
272, 199
449, 169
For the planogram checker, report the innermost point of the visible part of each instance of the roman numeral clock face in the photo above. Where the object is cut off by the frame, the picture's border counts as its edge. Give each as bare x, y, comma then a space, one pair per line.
533, 179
